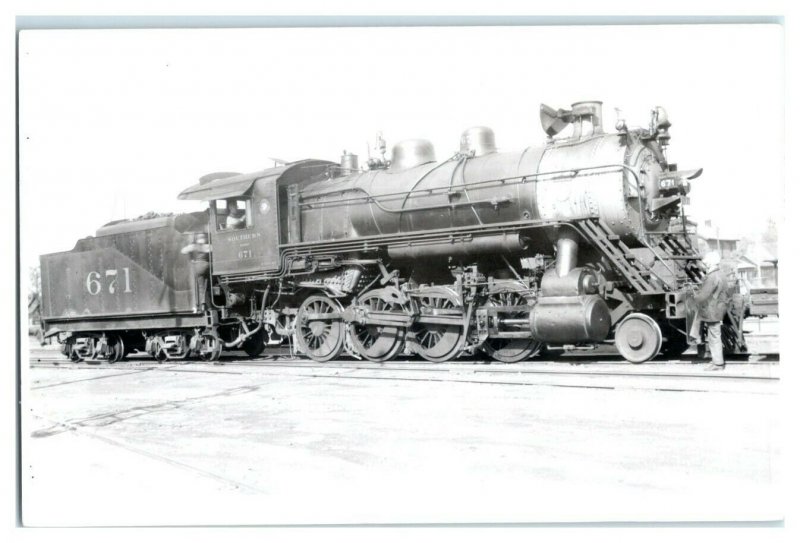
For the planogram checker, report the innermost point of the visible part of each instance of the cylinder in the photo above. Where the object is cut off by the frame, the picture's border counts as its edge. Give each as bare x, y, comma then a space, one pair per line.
570, 319
566, 251
513, 243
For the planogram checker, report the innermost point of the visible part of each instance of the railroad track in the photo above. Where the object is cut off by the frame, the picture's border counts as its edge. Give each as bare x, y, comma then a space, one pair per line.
583, 368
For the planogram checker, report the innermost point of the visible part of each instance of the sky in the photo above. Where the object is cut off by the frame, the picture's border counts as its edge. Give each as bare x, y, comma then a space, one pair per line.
115, 123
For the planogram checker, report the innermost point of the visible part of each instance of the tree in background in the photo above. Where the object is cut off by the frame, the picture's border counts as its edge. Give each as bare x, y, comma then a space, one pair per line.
34, 304
769, 239
35, 282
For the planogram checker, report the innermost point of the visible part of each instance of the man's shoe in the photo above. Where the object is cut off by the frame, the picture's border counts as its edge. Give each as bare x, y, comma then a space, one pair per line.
713, 367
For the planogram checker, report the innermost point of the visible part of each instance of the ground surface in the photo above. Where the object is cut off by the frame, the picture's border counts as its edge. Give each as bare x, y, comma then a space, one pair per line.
280, 442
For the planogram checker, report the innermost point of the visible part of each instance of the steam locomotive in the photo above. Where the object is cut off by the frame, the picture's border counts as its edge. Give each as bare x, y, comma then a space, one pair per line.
575, 243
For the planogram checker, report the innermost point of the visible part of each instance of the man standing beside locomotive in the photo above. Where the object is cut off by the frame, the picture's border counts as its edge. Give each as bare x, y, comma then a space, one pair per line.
712, 302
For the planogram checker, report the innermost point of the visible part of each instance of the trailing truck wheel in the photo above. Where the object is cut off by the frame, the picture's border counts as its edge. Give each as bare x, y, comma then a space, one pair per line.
638, 338
377, 343
438, 342
319, 328
255, 344
511, 350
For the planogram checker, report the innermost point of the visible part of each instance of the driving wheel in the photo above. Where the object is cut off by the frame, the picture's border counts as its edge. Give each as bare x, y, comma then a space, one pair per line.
510, 350
434, 341
377, 343
319, 328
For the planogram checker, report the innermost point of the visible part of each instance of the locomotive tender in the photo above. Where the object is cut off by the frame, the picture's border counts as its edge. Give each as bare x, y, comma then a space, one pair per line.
568, 245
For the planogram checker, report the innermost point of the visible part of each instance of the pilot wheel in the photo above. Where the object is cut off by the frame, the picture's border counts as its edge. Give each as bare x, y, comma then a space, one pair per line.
638, 338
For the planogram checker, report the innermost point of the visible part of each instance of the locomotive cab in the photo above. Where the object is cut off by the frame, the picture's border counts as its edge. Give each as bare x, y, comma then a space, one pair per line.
245, 216
243, 232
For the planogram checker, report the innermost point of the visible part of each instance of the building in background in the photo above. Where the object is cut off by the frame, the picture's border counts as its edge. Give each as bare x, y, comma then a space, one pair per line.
758, 267
709, 238
755, 262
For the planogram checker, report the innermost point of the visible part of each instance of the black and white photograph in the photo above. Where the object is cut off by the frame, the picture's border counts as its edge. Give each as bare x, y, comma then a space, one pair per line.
383, 273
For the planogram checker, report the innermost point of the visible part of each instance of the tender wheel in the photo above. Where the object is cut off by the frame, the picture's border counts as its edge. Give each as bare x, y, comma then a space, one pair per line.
210, 348
377, 343
117, 349
638, 338
438, 342
319, 328
72, 352
510, 350
81, 349
255, 344
160, 351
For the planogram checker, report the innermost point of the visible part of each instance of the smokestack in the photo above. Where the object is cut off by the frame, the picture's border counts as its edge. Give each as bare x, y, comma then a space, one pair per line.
587, 118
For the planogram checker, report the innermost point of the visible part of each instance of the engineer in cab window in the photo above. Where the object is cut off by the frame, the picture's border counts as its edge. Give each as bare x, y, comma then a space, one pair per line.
237, 217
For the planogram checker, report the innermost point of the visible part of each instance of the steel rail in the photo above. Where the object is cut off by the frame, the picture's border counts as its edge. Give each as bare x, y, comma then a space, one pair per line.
521, 369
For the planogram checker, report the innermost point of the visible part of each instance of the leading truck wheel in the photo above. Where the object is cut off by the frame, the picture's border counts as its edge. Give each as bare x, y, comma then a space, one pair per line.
638, 338
319, 328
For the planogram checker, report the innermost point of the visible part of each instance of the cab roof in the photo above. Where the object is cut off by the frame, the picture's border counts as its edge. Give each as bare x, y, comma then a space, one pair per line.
229, 185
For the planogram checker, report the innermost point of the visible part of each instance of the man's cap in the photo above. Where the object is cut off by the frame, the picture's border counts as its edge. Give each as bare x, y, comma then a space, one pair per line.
711, 259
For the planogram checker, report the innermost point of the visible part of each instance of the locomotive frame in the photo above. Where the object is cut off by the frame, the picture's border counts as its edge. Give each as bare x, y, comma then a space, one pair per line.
570, 250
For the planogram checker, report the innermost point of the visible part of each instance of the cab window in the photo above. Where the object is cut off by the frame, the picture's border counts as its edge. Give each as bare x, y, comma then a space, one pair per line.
233, 214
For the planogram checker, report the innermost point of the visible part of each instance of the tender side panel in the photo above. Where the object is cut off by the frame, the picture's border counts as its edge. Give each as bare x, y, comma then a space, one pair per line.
140, 273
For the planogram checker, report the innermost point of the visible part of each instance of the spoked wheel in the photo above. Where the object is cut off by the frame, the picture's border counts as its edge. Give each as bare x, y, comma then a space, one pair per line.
255, 344
319, 328
210, 348
438, 342
377, 343
510, 350
638, 338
